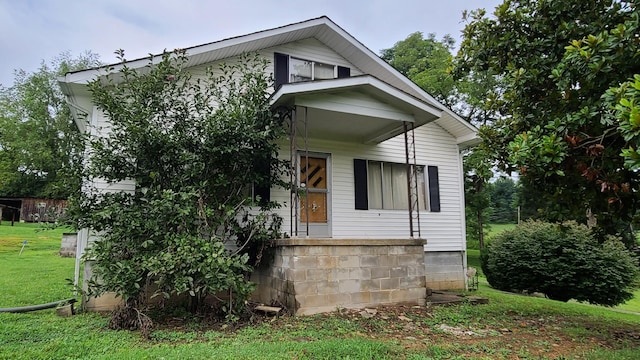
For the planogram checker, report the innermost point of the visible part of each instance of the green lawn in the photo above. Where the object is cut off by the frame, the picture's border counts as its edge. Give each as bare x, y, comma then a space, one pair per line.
633, 304
495, 229
38, 275
491, 231
509, 327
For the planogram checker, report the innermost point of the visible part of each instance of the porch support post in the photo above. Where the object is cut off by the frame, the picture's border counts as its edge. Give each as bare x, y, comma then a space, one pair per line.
412, 179
409, 197
306, 163
293, 174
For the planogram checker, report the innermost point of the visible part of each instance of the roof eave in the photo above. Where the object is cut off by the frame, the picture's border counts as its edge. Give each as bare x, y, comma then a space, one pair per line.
364, 81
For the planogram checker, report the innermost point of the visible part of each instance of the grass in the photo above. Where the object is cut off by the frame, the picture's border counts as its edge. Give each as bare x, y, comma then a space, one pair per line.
38, 268
491, 231
495, 229
509, 327
633, 304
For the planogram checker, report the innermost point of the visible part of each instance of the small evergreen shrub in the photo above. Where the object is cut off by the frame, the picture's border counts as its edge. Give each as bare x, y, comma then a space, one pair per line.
563, 261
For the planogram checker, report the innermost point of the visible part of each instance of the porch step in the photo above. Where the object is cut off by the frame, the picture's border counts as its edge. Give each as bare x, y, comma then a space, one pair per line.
450, 298
269, 309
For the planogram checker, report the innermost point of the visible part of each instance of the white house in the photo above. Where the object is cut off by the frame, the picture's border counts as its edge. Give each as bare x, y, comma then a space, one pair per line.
377, 161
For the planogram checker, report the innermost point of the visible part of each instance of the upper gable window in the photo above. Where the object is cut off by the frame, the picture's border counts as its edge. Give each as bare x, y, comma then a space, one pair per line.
289, 69
306, 70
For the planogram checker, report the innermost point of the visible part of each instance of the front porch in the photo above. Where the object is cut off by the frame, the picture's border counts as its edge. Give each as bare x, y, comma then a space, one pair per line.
311, 276
359, 113
323, 266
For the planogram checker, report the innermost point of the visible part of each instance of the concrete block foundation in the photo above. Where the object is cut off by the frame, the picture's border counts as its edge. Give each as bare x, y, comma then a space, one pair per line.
445, 270
105, 303
69, 244
311, 276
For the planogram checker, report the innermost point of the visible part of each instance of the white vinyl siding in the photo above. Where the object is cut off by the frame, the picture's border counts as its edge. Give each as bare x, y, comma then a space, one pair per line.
443, 230
100, 126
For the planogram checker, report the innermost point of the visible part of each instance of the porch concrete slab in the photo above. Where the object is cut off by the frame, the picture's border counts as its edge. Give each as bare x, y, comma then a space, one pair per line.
349, 242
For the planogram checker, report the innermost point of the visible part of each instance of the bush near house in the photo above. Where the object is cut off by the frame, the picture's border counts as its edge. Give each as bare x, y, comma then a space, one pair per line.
563, 261
192, 146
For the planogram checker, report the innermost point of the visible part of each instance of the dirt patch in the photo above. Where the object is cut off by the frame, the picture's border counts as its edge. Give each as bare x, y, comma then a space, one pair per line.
419, 329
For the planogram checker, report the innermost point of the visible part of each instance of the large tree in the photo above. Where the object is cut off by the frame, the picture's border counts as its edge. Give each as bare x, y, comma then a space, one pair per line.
38, 139
478, 173
425, 61
194, 146
556, 129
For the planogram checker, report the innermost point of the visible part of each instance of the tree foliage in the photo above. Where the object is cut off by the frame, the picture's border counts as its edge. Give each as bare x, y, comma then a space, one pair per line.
425, 61
39, 142
563, 261
478, 172
529, 198
193, 147
557, 59
595, 54
503, 201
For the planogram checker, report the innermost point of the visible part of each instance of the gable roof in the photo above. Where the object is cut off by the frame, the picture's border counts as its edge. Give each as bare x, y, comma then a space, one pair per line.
322, 29
332, 101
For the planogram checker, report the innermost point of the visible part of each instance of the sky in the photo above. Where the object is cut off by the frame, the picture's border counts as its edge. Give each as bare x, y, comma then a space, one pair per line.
32, 31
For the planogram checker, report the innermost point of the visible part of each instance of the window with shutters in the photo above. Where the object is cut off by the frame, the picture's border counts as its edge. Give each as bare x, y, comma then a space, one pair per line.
383, 185
388, 186
288, 69
307, 70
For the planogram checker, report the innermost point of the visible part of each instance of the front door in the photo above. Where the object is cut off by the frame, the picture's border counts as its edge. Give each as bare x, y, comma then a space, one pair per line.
315, 200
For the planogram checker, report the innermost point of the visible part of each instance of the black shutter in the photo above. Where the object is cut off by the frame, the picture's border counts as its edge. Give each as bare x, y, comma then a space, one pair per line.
262, 187
343, 72
360, 176
280, 69
434, 188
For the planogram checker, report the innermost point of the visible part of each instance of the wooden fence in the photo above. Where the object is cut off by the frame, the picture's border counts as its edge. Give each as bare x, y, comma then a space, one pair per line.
32, 209
42, 210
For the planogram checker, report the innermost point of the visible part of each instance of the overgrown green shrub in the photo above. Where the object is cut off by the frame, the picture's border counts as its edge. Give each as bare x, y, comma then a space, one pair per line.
193, 145
563, 261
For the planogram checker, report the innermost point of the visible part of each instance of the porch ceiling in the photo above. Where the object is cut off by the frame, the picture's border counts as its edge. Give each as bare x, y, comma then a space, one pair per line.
357, 109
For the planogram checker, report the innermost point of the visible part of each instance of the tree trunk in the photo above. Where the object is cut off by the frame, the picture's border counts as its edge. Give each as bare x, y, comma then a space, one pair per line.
479, 188
480, 230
